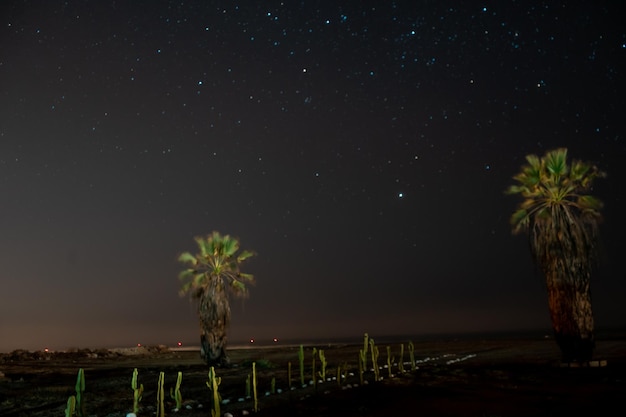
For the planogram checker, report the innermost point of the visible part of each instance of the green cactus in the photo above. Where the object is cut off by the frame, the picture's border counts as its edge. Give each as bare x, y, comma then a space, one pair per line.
322, 373
289, 374
375, 352
313, 376
412, 355
161, 395
71, 406
366, 344
256, 399
362, 362
389, 361
273, 386
401, 361
80, 389
137, 392
248, 392
301, 358
341, 371
175, 393
213, 384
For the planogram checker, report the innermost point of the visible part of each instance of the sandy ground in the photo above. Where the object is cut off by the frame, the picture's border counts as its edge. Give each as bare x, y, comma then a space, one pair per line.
469, 377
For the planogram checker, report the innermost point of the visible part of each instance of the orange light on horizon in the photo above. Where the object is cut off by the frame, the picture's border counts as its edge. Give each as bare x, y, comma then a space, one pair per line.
180, 344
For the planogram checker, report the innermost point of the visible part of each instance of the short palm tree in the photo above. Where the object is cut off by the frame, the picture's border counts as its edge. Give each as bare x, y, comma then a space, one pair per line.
210, 276
561, 220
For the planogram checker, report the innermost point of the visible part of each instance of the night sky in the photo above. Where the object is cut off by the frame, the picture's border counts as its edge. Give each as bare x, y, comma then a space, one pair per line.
360, 148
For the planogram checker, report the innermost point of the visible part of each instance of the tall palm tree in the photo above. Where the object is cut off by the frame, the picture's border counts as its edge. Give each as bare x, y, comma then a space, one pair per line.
210, 276
561, 220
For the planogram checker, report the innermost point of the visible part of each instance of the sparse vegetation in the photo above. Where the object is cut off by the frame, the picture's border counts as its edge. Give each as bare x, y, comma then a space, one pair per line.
437, 364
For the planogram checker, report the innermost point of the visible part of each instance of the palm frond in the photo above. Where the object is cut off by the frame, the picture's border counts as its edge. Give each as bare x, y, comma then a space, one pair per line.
244, 255
186, 274
588, 202
556, 162
217, 261
557, 212
187, 257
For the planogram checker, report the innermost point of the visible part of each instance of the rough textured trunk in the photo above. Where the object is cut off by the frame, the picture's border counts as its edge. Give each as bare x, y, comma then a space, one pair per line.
214, 311
572, 319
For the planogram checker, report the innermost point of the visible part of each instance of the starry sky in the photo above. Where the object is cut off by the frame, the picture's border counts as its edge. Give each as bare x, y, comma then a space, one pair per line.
360, 148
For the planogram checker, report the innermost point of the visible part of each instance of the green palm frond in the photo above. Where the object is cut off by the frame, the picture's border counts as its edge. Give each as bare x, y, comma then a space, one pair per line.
579, 171
556, 210
244, 255
187, 257
187, 275
217, 261
588, 202
556, 162
246, 277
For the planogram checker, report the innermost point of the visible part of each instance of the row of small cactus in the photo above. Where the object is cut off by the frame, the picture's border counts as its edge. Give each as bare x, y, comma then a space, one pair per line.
75, 403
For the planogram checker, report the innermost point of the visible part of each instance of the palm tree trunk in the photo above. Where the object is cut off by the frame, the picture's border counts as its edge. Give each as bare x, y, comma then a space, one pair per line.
214, 311
572, 319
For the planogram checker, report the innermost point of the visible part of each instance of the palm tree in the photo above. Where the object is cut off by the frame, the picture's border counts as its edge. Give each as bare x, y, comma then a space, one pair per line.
210, 276
561, 220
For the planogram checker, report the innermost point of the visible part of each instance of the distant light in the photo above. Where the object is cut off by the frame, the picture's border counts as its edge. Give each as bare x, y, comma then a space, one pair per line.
138, 344
251, 340
180, 344
400, 195
275, 340
45, 350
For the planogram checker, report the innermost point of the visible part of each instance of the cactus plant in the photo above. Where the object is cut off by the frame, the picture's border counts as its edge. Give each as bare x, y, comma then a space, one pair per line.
375, 352
289, 374
256, 400
412, 355
161, 395
401, 361
322, 373
389, 361
213, 384
175, 393
341, 369
71, 406
366, 344
313, 376
301, 359
80, 389
362, 363
137, 392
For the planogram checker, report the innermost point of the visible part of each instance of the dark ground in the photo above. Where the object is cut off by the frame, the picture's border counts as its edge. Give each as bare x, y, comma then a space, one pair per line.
503, 377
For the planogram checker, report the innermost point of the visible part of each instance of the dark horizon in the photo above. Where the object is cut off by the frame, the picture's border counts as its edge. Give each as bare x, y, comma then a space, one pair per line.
601, 334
